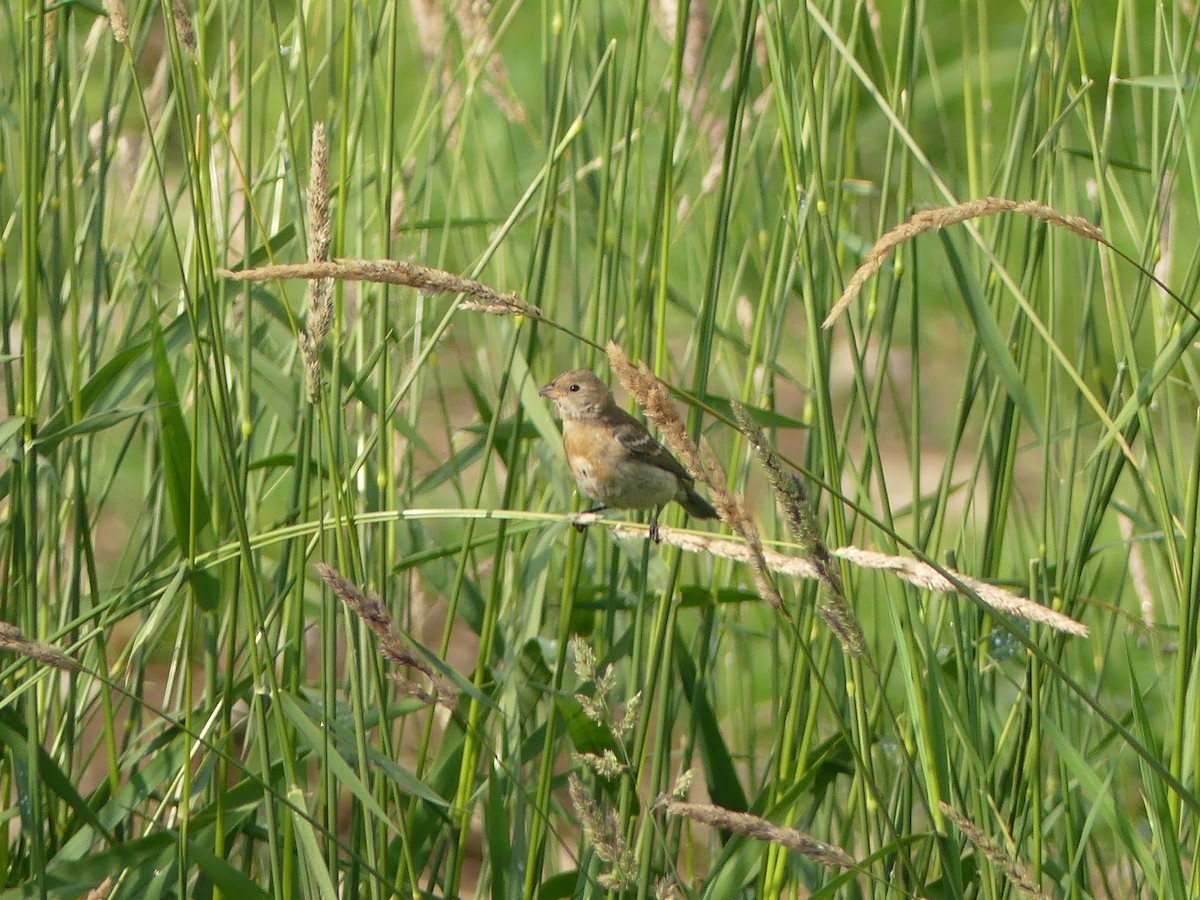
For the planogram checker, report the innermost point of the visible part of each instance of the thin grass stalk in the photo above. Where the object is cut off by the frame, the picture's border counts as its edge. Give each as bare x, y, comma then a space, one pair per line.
654, 731
1189, 628
804, 84
798, 710
720, 234
489, 631
213, 410
502, 304
397, 593
535, 858
759, 358
25, 500
1037, 257
241, 144
216, 406
603, 311
214, 403
290, 61
456, 114
419, 205
1033, 767
663, 200
630, 241
346, 84
69, 561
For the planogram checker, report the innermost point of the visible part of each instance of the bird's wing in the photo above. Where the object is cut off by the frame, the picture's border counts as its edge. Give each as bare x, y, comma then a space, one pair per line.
633, 436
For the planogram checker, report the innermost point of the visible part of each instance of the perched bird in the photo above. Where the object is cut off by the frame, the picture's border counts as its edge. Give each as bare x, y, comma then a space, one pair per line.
613, 457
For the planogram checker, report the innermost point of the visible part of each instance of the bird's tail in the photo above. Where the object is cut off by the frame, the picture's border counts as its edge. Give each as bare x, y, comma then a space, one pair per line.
697, 507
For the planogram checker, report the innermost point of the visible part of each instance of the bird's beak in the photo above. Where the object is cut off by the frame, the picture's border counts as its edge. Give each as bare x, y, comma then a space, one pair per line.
545, 391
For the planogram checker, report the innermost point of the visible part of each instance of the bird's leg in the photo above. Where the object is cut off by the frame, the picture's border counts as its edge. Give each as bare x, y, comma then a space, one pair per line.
579, 526
654, 535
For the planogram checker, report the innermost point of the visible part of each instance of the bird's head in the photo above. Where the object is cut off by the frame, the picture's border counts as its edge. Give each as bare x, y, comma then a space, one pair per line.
577, 394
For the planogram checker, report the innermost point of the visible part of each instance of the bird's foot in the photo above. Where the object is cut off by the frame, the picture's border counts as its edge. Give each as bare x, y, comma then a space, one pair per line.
654, 533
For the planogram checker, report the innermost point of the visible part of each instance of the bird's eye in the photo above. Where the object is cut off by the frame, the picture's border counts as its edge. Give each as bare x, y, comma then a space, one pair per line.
573, 387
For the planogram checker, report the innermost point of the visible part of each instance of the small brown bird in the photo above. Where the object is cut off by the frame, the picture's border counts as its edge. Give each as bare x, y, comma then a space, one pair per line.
613, 456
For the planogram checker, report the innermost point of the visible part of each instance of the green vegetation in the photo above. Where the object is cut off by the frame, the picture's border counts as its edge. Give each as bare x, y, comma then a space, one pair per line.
294, 605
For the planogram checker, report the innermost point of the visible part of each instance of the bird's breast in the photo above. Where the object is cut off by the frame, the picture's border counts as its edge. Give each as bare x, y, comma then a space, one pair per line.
624, 483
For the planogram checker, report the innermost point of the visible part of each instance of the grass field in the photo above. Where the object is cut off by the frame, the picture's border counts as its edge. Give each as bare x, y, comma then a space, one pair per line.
294, 605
